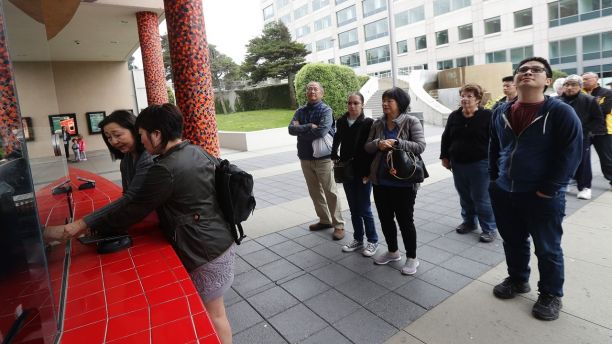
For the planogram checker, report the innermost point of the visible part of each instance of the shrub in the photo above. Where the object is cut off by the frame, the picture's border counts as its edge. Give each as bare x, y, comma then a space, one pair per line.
338, 82
261, 98
362, 80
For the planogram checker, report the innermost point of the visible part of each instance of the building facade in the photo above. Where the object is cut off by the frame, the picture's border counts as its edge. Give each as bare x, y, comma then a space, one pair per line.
575, 35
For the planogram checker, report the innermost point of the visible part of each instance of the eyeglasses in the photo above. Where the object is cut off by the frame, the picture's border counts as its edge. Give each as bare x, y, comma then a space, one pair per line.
353, 103
533, 69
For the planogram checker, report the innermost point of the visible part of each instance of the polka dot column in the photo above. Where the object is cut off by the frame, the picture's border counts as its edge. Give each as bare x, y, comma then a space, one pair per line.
9, 114
152, 60
191, 72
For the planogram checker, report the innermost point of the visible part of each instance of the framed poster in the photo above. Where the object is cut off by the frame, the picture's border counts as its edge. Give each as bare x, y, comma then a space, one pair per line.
93, 119
67, 120
28, 129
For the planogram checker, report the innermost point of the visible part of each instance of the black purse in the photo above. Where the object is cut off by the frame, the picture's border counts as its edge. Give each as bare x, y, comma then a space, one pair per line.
405, 166
344, 171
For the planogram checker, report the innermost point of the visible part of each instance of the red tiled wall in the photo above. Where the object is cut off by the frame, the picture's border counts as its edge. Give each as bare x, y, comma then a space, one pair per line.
191, 72
9, 116
152, 60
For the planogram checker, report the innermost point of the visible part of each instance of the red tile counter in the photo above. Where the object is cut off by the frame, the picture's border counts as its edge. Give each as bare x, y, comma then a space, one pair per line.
139, 295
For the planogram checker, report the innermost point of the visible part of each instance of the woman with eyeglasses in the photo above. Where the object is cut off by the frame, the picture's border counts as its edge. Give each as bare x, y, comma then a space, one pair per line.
464, 151
352, 131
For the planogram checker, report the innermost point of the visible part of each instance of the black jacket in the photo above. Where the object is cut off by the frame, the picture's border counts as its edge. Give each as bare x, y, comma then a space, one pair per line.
603, 96
351, 140
588, 111
181, 186
466, 140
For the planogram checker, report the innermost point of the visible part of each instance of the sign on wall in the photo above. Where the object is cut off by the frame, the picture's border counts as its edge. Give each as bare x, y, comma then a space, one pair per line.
67, 120
93, 119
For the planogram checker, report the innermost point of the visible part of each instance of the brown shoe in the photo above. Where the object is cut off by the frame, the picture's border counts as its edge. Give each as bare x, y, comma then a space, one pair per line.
319, 226
338, 233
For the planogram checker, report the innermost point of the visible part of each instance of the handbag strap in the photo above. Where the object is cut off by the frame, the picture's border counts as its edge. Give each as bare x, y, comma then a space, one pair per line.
390, 164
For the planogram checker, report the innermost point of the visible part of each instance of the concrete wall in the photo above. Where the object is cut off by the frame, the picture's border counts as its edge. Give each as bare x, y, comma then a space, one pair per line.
70, 87
488, 76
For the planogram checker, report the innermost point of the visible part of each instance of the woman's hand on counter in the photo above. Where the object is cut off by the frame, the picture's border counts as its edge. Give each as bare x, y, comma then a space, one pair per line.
54, 233
75, 228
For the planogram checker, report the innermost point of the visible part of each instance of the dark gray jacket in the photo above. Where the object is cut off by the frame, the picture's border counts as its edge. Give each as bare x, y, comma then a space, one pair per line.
181, 186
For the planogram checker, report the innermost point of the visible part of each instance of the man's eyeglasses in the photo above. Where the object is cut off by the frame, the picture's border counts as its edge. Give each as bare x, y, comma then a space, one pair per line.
533, 69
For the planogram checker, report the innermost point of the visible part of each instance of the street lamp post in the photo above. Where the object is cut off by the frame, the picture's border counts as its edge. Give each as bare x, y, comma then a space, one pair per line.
333, 42
391, 22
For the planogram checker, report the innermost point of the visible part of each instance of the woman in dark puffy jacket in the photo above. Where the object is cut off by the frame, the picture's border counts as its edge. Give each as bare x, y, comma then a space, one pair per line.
352, 131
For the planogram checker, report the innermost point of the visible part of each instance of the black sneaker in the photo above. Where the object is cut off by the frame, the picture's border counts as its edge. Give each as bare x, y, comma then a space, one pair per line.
488, 236
508, 289
547, 307
465, 228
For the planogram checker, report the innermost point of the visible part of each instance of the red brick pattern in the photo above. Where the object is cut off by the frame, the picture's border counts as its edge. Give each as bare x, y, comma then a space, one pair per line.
191, 72
152, 60
9, 115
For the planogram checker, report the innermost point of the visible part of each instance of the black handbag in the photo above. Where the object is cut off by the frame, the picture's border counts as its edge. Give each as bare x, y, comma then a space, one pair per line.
344, 171
405, 166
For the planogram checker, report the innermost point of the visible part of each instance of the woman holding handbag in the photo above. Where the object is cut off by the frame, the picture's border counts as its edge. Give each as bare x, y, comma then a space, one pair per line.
395, 197
352, 168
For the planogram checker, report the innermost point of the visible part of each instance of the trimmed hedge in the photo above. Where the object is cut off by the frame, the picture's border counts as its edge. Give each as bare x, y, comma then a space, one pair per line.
270, 97
338, 82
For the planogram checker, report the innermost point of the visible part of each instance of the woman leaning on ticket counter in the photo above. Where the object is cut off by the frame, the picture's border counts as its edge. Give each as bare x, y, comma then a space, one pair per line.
180, 185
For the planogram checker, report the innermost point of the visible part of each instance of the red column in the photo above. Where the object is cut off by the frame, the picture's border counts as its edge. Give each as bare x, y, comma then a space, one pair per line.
9, 114
191, 72
152, 60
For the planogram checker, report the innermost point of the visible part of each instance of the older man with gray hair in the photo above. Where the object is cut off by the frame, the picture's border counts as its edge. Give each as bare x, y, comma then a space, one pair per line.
602, 143
311, 122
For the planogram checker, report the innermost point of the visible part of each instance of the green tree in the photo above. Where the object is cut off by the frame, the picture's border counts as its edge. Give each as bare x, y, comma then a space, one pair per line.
337, 81
222, 68
275, 55
131, 62
166, 56
558, 74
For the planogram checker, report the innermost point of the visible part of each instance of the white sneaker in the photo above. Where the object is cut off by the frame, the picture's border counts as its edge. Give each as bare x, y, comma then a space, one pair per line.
410, 268
387, 258
584, 194
370, 249
354, 245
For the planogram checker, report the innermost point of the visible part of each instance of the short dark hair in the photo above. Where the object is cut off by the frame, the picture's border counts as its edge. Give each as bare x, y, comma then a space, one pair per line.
475, 89
537, 59
400, 96
358, 94
124, 119
509, 78
165, 118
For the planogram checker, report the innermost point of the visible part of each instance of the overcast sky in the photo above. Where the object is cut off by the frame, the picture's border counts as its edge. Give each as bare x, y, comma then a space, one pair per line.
230, 24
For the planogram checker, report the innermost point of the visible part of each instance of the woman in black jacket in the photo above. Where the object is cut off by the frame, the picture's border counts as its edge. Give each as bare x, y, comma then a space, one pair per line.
351, 134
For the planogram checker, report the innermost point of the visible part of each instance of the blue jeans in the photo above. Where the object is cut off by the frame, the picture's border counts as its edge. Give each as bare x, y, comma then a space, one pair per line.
521, 214
358, 197
472, 182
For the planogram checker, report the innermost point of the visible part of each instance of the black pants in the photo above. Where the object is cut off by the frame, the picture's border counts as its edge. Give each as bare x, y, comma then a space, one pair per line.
397, 202
67, 149
603, 146
584, 174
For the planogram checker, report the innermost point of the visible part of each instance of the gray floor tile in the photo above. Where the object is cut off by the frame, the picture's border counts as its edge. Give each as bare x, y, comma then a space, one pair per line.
286, 248
422, 293
333, 274
327, 336
242, 316
294, 232
272, 301
449, 245
466, 267
445, 279
310, 240
248, 247
250, 283
332, 306
305, 287
308, 260
364, 327
470, 238
261, 333
356, 262
481, 255
432, 254
279, 269
388, 277
396, 310
437, 228
271, 239
329, 250
425, 236
241, 266
495, 246
297, 323
261, 257
231, 297
362, 290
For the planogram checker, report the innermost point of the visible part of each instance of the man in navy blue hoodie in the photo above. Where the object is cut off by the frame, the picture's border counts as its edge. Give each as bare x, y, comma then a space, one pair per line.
534, 150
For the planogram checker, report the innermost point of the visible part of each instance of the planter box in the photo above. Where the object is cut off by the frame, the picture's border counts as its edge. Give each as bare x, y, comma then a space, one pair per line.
256, 140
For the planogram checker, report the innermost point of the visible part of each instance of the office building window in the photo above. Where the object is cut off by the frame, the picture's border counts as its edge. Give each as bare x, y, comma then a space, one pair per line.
442, 37
322, 23
465, 32
464, 61
496, 56
563, 51
520, 53
347, 38
420, 42
373, 6
603, 71
381, 74
286, 19
351, 60
597, 46
338, 2
410, 16
300, 12
376, 29
317, 4
268, 12
378, 55
523, 18
345, 16
324, 44
492, 25
402, 47
282, 3
445, 6
446, 64
571, 11
302, 31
